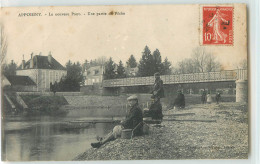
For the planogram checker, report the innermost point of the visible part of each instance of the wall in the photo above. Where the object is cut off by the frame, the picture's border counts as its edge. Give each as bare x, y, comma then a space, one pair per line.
43, 77
226, 87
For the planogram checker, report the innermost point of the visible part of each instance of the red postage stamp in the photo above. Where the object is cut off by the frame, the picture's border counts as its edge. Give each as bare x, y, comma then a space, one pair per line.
217, 25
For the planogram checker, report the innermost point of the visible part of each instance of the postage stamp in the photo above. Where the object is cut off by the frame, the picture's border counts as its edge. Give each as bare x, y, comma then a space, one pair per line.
217, 25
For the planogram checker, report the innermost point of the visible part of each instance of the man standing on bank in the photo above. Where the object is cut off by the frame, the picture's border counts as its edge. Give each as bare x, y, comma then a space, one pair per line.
158, 91
133, 118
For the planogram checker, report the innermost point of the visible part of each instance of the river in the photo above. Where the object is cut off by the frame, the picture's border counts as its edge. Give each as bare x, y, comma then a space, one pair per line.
45, 138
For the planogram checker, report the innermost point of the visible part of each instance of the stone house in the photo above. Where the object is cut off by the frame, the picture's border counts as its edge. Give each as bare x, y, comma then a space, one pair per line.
19, 83
43, 70
94, 75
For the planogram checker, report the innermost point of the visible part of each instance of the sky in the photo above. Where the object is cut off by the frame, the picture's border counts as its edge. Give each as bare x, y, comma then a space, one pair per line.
173, 29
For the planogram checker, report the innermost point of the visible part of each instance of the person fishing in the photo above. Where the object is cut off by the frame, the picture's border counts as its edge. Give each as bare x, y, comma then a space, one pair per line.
133, 118
158, 90
154, 110
218, 97
179, 101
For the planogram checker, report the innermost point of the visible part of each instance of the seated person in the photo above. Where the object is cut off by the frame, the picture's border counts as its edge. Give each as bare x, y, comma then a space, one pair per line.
179, 102
133, 118
155, 109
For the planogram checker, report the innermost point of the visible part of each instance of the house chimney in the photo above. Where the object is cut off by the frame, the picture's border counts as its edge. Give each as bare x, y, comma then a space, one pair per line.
23, 63
50, 57
31, 61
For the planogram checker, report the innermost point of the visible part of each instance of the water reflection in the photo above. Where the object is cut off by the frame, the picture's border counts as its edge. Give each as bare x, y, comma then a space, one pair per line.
45, 138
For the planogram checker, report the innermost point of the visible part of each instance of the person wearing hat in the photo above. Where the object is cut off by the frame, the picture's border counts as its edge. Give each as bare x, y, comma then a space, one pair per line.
155, 109
133, 118
158, 87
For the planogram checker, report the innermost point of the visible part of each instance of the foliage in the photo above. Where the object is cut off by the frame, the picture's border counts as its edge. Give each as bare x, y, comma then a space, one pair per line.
166, 67
145, 65
120, 70
200, 61
152, 63
96, 62
157, 62
9, 69
131, 62
3, 44
45, 105
242, 64
110, 69
73, 79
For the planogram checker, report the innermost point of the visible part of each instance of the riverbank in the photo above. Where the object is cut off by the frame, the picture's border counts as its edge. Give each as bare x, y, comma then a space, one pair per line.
45, 105
223, 136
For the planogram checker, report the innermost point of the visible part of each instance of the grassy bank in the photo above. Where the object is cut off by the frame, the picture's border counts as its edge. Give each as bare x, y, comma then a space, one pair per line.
45, 105
224, 136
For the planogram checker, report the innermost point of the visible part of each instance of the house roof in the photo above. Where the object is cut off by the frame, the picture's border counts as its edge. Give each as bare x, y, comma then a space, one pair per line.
94, 71
20, 80
41, 62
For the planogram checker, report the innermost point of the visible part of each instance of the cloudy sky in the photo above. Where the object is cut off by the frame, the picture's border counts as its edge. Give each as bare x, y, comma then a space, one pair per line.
174, 30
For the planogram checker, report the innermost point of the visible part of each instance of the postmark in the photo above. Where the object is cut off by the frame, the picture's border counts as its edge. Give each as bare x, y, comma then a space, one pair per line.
217, 26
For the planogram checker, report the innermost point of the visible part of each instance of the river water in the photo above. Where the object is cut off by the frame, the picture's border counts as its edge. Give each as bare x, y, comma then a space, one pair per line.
45, 138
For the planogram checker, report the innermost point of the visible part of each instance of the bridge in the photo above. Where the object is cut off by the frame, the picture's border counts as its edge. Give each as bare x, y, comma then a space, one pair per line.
227, 75
228, 80
210, 80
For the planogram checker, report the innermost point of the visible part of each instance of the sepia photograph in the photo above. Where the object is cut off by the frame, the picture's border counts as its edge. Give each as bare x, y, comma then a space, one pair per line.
126, 82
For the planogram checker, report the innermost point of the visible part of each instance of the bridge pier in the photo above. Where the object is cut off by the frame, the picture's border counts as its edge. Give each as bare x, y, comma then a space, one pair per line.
241, 91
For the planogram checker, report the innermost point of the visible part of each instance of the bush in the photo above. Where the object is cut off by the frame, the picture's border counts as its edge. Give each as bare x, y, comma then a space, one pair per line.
45, 105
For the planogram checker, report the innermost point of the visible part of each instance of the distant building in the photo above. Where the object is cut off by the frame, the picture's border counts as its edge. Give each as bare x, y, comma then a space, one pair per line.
130, 72
43, 70
19, 83
94, 75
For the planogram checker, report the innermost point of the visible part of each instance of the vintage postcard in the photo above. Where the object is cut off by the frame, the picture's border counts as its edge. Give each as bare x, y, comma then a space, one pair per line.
136, 82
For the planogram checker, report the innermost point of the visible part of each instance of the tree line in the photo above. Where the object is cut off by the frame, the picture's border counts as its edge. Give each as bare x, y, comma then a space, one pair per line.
151, 62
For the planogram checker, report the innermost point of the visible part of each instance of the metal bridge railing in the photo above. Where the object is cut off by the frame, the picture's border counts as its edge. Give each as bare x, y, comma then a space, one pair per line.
227, 75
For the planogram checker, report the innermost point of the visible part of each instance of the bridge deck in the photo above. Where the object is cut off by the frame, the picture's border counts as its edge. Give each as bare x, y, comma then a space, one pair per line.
228, 75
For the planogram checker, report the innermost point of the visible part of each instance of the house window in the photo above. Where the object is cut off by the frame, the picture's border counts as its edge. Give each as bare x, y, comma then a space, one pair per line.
96, 71
57, 76
43, 79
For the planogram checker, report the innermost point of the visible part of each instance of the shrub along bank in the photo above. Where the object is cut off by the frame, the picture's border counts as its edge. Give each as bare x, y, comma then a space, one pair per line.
45, 105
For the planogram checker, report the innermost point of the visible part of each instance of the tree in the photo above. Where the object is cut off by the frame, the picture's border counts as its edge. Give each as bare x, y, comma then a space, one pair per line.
73, 79
131, 62
166, 67
85, 65
9, 69
4, 44
110, 69
96, 62
186, 66
101, 60
204, 61
145, 67
212, 64
200, 61
242, 64
121, 70
157, 62
152, 63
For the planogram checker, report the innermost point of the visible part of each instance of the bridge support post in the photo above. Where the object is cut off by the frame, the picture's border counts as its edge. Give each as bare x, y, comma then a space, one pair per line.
241, 91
